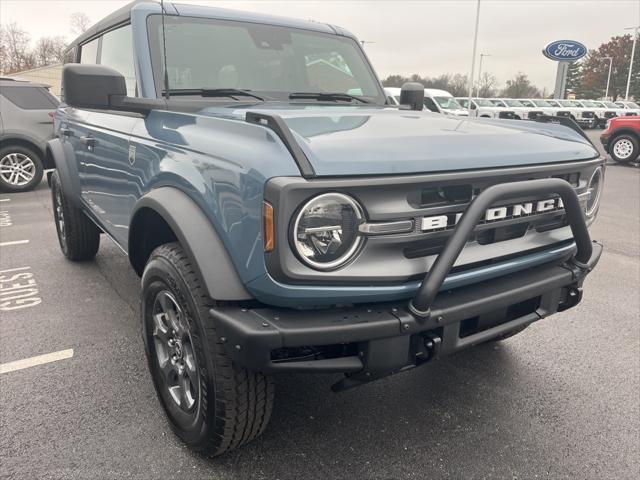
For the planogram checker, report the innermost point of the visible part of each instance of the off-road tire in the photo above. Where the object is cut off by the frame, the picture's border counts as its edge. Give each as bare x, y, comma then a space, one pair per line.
633, 148
35, 161
78, 236
233, 404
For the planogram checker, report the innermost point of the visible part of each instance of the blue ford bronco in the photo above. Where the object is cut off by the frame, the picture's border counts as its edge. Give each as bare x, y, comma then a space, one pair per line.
283, 218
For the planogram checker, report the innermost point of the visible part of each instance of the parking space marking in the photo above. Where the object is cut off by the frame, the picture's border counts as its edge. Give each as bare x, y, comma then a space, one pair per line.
34, 361
18, 290
5, 199
15, 242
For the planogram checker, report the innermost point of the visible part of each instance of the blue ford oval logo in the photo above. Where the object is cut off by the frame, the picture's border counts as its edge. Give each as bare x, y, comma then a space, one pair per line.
565, 50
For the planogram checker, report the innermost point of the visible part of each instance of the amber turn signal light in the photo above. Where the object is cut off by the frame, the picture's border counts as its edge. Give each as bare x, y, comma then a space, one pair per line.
268, 227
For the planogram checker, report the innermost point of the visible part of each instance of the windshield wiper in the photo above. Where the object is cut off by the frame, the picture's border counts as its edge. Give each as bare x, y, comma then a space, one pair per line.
329, 96
215, 92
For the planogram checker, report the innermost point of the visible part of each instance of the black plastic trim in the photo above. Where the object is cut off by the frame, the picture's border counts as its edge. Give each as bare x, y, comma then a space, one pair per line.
280, 128
67, 170
197, 236
250, 335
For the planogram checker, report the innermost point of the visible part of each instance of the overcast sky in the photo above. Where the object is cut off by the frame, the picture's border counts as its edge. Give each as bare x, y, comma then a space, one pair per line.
428, 37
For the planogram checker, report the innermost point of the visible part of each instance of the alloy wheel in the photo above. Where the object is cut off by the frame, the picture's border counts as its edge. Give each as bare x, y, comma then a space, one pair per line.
59, 213
174, 351
623, 149
17, 169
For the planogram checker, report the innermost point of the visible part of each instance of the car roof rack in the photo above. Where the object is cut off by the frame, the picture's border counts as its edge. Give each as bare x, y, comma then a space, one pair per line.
281, 129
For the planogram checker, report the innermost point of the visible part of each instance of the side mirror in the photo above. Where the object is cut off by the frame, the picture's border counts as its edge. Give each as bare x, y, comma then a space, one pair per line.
412, 96
92, 86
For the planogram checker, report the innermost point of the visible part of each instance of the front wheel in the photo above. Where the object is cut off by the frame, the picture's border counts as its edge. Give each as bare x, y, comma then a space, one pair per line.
212, 404
624, 149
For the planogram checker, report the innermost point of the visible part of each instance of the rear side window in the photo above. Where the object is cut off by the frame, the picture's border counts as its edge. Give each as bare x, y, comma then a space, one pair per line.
89, 52
30, 98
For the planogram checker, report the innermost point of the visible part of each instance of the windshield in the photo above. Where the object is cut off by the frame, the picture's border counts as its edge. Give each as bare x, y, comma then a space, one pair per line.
611, 105
632, 105
542, 103
589, 104
214, 54
498, 103
569, 103
553, 103
527, 103
448, 103
514, 103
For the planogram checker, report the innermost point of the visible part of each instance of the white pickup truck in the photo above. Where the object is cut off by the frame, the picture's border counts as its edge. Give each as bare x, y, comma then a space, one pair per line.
585, 117
485, 108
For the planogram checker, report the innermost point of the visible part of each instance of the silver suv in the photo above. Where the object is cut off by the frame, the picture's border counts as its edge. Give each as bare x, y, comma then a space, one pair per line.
26, 118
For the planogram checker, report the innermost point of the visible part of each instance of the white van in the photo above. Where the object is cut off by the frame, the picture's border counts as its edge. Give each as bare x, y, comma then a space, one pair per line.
393, 95
441, 101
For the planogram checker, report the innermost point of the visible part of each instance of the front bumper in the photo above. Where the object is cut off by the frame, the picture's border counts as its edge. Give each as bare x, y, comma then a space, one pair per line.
387, 337
370, 341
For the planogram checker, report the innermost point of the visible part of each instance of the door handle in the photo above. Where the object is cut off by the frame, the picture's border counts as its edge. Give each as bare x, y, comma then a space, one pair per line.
66, 132
88, 141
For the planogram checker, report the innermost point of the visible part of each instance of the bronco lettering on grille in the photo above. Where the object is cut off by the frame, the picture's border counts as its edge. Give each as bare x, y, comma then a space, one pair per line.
492, 214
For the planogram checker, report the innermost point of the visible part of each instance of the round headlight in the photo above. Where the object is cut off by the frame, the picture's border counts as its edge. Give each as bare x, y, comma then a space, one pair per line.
596, 184
325, 232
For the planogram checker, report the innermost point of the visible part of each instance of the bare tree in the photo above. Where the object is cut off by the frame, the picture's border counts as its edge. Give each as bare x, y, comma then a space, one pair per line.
49, 50
487, 85
15, 49
79, 22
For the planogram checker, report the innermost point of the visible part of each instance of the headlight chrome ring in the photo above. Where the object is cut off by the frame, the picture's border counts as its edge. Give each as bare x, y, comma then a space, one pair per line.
325, 233
595, 187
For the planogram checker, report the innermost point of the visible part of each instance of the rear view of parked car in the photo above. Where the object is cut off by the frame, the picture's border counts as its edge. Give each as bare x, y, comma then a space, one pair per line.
26, 119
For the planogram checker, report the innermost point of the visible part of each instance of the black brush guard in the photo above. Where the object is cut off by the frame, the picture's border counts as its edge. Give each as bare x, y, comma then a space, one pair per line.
383, 338
420, 305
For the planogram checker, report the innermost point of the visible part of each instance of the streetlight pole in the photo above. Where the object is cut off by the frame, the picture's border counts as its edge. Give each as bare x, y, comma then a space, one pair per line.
473, 57
633, 51
606, 92
480, 71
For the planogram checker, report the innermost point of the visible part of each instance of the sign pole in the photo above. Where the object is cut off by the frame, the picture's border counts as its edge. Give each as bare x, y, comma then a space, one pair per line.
561, 80
633, 51
473, 58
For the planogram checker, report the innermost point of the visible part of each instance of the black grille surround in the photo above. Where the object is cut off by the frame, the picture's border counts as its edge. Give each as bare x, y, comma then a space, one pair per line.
588, 114
398, 258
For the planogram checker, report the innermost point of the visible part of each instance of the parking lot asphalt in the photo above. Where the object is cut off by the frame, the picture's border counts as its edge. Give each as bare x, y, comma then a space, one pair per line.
560, 400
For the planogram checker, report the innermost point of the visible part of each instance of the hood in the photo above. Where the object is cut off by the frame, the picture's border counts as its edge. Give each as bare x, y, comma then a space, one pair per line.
378, 141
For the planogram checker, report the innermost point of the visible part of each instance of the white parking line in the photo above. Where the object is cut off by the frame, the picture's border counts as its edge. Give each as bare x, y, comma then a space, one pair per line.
5, 199
15, 242
33, 361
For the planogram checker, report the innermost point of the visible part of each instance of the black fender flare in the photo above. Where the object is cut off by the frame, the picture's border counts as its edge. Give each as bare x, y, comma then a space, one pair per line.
67, 170
198, 238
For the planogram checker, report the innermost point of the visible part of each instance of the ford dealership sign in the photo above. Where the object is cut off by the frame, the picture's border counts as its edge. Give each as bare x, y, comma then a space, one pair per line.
565, 51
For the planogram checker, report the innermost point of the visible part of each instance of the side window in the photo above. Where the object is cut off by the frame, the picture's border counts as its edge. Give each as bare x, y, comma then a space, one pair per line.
30, 98
70, 55
117, 53
465, 103
89, 52
430, 104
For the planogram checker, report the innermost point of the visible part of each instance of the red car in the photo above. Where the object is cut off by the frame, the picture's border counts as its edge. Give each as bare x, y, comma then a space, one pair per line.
621, 139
